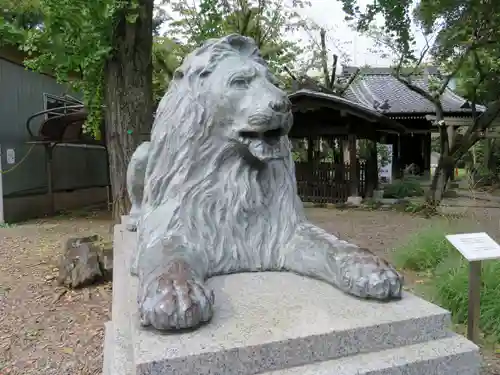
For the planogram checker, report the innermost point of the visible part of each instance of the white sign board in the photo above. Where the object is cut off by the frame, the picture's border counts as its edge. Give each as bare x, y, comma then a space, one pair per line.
385, 167
475, 246
10, 156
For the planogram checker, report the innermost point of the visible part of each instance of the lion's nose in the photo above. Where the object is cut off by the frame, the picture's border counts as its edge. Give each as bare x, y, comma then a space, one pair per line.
281, 105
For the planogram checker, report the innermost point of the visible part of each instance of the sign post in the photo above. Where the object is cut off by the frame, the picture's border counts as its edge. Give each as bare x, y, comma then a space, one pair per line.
475, 247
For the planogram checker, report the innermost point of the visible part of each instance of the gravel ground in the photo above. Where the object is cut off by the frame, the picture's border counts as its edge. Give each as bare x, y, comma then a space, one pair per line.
43, 331
46, 331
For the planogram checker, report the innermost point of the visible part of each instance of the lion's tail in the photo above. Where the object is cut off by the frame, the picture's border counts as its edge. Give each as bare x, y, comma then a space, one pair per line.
136, 173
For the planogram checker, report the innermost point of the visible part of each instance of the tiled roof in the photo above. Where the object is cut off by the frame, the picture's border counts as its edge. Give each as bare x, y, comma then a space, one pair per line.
377, 88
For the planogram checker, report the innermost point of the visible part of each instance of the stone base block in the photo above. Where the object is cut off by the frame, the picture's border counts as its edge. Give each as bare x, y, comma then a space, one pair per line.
354, 201
283, 324
450, 356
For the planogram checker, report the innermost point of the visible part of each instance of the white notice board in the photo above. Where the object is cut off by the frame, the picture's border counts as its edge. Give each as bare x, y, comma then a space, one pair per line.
475, 246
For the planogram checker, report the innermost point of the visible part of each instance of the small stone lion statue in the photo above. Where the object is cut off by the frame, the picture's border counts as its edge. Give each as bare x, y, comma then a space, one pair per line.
214, 192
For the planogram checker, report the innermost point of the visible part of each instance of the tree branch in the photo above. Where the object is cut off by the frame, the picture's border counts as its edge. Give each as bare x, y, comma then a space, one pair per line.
334, 69
351, 79
324, 59
473, 133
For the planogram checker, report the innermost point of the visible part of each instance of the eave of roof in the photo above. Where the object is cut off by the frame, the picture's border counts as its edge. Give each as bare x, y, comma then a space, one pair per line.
353, 108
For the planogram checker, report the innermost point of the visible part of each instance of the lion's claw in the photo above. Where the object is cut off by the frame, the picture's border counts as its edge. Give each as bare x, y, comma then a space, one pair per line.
172, 304
368, 276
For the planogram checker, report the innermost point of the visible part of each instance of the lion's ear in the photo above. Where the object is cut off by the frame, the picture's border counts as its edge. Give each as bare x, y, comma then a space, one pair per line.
178, 74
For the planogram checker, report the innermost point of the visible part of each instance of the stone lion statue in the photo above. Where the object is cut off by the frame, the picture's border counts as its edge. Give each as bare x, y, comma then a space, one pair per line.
214, 193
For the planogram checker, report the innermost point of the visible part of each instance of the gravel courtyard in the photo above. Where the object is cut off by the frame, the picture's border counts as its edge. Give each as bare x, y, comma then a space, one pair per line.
47, 330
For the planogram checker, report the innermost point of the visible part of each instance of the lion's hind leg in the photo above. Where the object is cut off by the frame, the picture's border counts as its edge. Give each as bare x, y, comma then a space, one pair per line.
315, 253
136, 173
172, 291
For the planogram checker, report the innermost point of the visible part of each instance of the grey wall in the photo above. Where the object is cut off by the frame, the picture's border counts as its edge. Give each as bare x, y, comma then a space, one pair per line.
21, 95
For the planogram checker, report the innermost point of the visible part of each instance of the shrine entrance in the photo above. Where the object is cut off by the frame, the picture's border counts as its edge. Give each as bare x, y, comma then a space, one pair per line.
334, 146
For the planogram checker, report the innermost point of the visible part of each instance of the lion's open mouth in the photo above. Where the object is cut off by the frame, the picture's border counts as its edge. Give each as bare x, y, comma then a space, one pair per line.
271, 136
264, 145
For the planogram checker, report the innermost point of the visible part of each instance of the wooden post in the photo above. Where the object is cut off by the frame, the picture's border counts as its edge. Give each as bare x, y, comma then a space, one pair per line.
353, 165
371, 169
474, 301
49, 148
310, 150
427, 155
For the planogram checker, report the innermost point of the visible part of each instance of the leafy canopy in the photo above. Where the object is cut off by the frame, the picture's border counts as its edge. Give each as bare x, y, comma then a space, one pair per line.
266, 21
70, 38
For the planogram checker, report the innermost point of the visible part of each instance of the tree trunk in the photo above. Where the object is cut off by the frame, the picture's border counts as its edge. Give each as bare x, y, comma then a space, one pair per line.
445, 165
324, 59
128, 98
440, 180
371, 169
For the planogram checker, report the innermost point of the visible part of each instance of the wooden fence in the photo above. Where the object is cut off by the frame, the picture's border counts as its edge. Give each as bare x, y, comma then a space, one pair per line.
327, 182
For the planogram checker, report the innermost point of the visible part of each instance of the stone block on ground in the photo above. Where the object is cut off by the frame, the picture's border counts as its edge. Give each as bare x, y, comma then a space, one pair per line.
84, 261
354, 201
284, 324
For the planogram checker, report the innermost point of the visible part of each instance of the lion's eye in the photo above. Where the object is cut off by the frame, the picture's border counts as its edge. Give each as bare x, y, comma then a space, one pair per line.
239, 82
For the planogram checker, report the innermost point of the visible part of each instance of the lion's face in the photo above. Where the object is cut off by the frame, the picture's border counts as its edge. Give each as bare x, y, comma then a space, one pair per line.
249, 109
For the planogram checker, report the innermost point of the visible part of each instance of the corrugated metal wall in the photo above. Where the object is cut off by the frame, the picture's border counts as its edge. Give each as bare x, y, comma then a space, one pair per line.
21, 95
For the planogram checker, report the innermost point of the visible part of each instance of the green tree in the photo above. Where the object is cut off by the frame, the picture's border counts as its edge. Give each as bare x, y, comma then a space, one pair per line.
167, 57
483, 157
266, 21
466, 35
102, 48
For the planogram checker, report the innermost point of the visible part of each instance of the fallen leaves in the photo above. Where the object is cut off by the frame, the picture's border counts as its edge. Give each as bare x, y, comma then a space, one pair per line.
67, 350
41, 323
58, 295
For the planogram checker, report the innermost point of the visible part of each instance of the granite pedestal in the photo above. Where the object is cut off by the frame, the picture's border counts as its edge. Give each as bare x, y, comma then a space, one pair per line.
283, 324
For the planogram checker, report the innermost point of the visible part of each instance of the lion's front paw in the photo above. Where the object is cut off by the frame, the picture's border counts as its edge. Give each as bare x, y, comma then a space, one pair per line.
172, 303
369, 276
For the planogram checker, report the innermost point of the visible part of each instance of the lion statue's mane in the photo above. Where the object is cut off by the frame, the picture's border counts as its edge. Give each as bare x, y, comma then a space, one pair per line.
203, 182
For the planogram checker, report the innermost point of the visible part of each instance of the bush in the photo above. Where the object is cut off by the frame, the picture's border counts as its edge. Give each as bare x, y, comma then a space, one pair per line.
425, 249
450, 286
406, 187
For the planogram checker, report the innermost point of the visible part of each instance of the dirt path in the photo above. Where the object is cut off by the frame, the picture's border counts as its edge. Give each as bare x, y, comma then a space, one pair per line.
41, 331
45, 333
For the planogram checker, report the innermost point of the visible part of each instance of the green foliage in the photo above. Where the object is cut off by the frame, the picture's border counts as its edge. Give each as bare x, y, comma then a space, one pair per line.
428, 251
397, 16
405, 187
417, 207
77, 47
484, 89
383, 155
73, 40
16, 18
425, 249
264, 20
167, 56
451, 283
